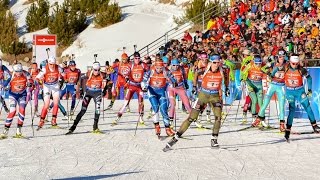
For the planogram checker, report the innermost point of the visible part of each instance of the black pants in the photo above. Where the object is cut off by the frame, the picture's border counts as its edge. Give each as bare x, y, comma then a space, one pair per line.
96, 96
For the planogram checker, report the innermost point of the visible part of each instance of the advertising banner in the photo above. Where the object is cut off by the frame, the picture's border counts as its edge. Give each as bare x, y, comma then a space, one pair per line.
42, 43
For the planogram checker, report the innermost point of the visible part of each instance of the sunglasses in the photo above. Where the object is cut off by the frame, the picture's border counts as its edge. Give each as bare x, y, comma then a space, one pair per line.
215, 62
18, 71
175, 65
136, 58
293, 64
96, 69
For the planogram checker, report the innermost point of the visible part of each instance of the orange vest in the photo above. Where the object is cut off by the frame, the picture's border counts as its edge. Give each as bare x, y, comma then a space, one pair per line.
124, 70
178, 75
18, 84
72, 76
137, 71
52, 77
212, 81
95, 82
281, 73
293, 78
202, 66
255, 74
158, 80
186, 71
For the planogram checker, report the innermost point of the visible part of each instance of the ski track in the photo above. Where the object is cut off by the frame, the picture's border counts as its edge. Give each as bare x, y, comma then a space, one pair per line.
118, 154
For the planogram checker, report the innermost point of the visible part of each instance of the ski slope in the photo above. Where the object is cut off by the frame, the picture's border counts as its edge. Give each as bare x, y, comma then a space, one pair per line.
118, 154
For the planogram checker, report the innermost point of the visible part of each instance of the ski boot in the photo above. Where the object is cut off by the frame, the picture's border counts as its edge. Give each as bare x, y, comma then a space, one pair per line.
287, 134
69, 132
141, 121
244, 118
110, 106
169, 131
54, 124
4, 135
71, 112
172, 142
40, 125
115, 122
157, 129
316, 128
214, 141
282, 127
97, 131
128, 109
257, 122
171, 122
18, 133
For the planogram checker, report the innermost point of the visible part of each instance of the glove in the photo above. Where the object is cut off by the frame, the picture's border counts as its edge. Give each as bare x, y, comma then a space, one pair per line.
40, 82
186, 85
7, 88
29, 84
62, 85
194, 89
127, 79
81, 92
309, 94
144, 86
175, 84
227, 92
104, 93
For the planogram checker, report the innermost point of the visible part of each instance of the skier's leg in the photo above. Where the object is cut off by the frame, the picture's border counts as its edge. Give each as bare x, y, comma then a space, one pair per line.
22, 107
97, 101
172, 100
199, 105
12, 113
184, 98
46, 98
85, 103
56, 99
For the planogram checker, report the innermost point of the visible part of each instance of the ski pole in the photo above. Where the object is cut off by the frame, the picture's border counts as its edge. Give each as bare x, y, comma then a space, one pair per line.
84, 95
48, 49
32, 116
67, 97
95, 57
102, 106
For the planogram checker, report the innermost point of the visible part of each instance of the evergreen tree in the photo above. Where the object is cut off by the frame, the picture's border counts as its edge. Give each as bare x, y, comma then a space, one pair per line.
38, 15
4, 5
67, 22
9, 41
108, 14
199, 6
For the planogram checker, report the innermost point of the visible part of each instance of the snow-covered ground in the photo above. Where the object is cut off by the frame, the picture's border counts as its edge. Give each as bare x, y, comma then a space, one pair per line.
143, 21
118, 154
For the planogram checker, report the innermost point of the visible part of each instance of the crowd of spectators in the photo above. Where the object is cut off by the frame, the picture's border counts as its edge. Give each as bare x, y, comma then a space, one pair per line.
261, 26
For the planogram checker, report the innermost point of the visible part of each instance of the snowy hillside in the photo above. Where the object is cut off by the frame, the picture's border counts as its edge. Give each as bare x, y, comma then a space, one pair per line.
143, 22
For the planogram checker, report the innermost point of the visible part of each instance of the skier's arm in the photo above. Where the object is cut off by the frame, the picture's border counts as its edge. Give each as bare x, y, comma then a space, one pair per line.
305, 73
146, 78
245, 72
171, 77
6, 76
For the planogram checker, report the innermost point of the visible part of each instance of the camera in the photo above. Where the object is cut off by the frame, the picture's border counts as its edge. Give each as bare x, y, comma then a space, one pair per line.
95, 55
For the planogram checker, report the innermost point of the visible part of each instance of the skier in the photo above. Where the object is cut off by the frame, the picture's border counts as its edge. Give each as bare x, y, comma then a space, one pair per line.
200, 68
186, 66
17, 85
35, 89
247, 104
155, 82
4, 75
136, 72
276, 86
52, 82
71, 78
93, 90
295, 90
253, 74
123, 74
211, 93
180, 90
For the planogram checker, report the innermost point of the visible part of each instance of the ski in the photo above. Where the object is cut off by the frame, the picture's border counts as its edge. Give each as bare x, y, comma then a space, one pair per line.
228, 148
97, 131
267, 128
20, 137
55, 127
